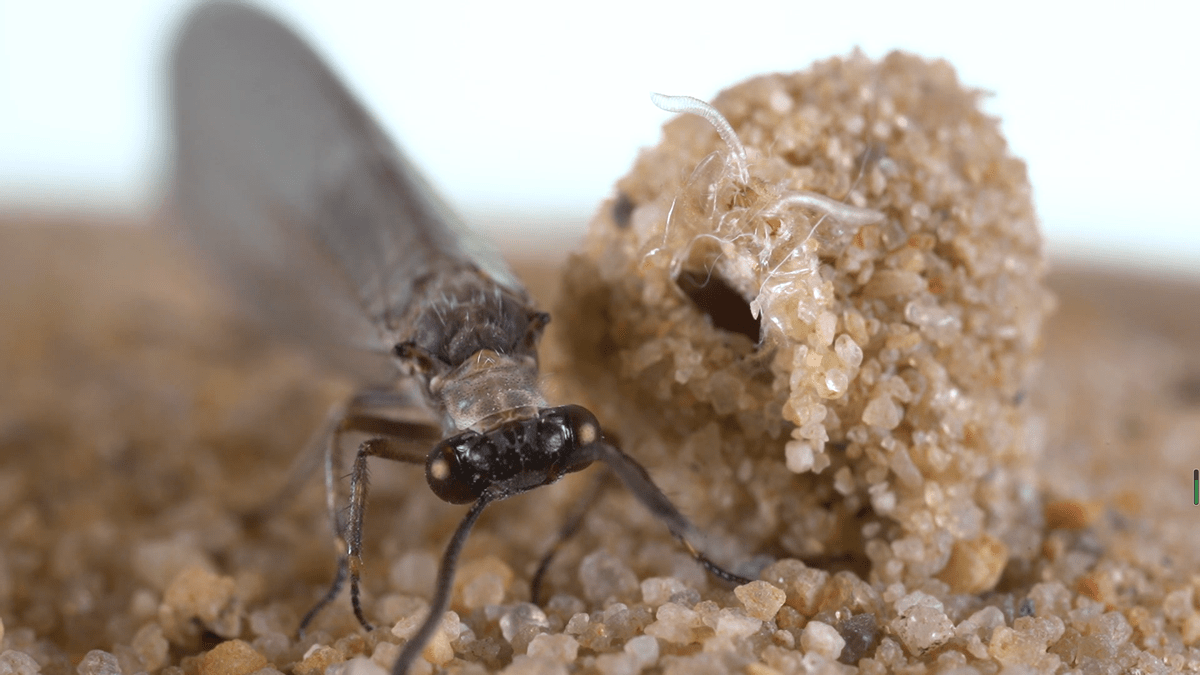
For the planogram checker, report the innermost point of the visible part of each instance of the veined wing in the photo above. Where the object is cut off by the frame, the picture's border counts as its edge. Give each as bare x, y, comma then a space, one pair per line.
283, 179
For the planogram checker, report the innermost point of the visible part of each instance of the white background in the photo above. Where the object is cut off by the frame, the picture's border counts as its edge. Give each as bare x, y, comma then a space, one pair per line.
537, 107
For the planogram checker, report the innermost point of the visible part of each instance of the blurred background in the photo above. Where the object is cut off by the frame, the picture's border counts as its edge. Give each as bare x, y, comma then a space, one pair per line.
525, 113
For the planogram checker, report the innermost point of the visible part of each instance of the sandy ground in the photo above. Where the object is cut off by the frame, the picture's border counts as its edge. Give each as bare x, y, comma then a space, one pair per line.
139, 416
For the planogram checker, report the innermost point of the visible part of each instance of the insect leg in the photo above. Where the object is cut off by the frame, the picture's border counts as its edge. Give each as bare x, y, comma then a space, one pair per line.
300, 471
331, 464
568, 530
350, 421
639, 483
386, 448
445, 581
394, 440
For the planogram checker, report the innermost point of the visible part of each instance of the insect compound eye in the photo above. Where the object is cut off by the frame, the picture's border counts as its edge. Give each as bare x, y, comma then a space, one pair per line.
585, 430
444, 473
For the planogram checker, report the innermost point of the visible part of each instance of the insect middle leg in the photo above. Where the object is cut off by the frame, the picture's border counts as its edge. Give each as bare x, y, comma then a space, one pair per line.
405, 442
569, 529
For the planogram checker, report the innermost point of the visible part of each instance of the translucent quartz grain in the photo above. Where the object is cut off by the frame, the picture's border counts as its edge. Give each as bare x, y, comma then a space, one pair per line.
98, 662
197, 594
578, 623
439, 650
274, 646
521, 618
823, 639
643, 649
1178, 605
617, 664
359, 665
385, 654
734, 624
675, 623
622, 622
803, 585
799, 456
606, 576
151, 647
1027, 640
482, 582
761, 599
859, 633
921, 623
560, 648
658, 590
161, 560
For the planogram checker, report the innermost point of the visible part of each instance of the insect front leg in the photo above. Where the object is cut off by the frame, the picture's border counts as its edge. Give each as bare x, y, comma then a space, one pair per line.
405, 442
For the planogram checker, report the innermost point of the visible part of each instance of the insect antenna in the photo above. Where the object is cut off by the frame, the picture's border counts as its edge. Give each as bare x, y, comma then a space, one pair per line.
638, 482
445, 581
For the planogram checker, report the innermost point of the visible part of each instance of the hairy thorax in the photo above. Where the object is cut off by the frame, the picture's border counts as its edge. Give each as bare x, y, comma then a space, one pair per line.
487, 389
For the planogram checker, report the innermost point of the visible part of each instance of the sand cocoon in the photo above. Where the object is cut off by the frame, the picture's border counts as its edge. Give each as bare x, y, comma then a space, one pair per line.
881, 423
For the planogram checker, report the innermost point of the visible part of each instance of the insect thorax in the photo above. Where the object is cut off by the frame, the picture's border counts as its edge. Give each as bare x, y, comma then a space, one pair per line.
473, 343
487, 389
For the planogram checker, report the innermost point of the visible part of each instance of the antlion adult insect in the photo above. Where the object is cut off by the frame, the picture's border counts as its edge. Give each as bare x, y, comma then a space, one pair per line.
332, 236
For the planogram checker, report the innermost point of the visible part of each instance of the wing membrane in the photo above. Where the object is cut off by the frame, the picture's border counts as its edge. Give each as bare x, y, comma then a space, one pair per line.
284, 180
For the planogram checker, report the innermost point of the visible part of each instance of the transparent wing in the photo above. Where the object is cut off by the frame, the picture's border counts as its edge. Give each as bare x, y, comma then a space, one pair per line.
323, 227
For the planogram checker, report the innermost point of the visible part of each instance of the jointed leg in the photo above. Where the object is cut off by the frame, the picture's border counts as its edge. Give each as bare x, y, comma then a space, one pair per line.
399, 441
330, 595
359, 482
568, 530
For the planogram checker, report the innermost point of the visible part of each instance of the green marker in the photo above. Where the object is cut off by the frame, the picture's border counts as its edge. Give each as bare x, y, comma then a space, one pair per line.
1196, 486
